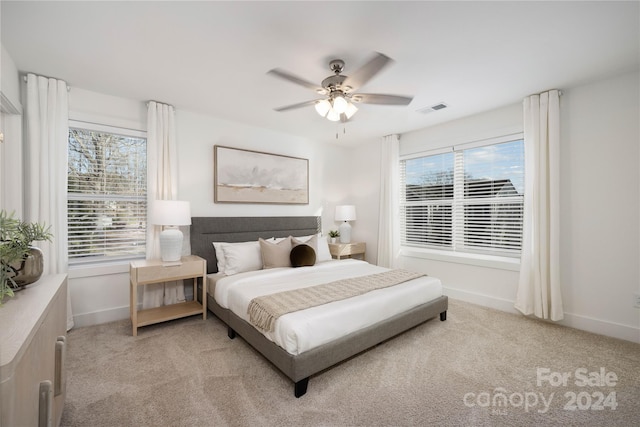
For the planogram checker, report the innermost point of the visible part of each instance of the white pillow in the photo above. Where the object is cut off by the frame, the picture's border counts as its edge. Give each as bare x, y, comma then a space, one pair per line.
241, 257
220, 256
323, 254
306, 240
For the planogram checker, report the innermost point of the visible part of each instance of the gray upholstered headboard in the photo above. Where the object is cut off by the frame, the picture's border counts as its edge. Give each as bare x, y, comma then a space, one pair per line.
206, 230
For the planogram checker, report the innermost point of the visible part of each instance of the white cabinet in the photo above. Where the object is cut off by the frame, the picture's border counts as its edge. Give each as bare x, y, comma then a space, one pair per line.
32, 352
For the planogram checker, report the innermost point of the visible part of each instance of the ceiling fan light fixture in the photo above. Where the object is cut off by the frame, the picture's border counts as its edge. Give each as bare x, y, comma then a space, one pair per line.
340, 104
333, 115
322, 107
351, 110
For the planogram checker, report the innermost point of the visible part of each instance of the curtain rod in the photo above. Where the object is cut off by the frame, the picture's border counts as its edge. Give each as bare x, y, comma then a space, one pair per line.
24, 78
158, 102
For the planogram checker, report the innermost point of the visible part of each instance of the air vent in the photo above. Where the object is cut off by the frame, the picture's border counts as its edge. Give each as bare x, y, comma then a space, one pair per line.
433, 108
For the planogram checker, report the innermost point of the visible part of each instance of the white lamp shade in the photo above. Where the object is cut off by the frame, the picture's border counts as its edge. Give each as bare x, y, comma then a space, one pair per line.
333, 115
339, 104
345, 213
170, 212
350, 111
323, 107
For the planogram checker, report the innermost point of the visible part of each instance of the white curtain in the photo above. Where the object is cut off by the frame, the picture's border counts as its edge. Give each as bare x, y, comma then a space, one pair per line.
162, 184
45, 199
539, 285
388, 224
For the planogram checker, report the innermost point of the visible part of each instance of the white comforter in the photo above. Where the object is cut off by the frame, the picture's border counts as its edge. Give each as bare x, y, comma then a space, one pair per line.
303, 330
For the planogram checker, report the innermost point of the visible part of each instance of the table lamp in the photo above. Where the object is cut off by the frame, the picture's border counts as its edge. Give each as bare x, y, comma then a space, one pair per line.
345, 213
170, 214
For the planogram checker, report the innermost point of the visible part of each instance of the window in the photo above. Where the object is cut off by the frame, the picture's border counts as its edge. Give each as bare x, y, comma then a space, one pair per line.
466, 199
107, 193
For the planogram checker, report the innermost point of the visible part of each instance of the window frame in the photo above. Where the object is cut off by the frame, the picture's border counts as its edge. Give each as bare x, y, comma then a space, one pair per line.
91, 261
480, 257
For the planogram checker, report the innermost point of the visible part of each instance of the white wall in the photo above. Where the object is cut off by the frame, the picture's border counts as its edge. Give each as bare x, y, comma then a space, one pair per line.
102, 294
364, 190
197, 134
600, 208
11, 125
9, 79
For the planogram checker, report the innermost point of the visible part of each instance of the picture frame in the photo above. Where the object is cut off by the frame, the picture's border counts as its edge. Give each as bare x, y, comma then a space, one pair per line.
248, 176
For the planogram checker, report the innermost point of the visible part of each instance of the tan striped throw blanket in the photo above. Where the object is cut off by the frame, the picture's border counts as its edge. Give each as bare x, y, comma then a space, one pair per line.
265, 310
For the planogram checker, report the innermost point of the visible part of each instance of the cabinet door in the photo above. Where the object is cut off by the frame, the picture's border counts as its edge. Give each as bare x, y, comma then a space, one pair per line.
38, 364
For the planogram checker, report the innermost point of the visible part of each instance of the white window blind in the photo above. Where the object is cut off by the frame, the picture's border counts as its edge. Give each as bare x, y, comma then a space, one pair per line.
107, 202
466, 200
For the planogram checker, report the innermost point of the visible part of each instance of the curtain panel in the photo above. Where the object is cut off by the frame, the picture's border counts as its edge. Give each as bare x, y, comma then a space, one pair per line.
539, 290
388, 223
45, 179
162, 184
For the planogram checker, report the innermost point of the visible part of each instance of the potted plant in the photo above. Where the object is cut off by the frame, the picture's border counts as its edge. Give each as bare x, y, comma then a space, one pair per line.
20, 262
333, 234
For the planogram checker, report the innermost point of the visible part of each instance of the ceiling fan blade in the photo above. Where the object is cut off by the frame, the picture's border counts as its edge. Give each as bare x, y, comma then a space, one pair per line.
367, 71
294, 79
294, 106
376, 98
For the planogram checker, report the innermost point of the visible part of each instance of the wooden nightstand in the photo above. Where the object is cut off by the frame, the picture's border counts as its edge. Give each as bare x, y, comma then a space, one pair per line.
347, 250
144, 272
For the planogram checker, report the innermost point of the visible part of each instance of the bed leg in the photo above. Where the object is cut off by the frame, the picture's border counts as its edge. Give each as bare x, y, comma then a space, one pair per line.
300, 387
231, 333
443, 316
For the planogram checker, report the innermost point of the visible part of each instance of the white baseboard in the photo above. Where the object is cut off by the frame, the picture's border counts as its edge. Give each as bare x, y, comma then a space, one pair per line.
576, 321
481, 299
99, 317
602, 327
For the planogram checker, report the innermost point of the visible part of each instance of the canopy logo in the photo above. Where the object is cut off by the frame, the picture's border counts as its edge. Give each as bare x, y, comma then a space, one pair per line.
584, 399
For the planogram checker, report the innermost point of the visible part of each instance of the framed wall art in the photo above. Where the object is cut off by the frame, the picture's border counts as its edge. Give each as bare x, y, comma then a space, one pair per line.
246, 176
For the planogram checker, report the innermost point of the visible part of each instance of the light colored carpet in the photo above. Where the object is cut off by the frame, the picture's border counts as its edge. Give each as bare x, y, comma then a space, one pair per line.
188, 373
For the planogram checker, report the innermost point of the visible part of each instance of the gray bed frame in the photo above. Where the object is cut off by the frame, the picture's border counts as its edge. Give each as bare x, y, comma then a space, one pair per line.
205, 230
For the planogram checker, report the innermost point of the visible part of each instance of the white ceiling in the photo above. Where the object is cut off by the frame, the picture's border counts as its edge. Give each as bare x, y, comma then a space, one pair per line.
212, 57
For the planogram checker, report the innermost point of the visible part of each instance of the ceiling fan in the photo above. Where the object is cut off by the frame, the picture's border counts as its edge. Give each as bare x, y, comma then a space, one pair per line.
339, 91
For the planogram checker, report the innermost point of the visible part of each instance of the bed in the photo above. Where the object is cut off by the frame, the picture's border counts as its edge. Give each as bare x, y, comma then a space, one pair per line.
299, 361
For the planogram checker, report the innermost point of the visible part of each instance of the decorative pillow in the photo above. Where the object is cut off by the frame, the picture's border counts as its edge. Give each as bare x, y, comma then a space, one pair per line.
275, 254
302, 255
241, 257
323, 254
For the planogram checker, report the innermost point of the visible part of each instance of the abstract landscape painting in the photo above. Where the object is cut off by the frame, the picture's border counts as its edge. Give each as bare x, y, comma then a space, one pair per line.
246, 176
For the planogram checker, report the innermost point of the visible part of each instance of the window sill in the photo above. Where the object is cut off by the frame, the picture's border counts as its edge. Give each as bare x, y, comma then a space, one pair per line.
99, 269
489, 261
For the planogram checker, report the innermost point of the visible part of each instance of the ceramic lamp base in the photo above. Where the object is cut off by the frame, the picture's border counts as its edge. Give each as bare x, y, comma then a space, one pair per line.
345, 232
171, 244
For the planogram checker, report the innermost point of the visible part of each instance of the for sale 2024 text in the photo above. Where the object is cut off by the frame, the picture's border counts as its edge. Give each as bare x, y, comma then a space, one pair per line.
582, 377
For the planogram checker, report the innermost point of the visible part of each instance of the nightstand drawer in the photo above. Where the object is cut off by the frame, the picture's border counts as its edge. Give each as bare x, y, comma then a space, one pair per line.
154, 271
341, 250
